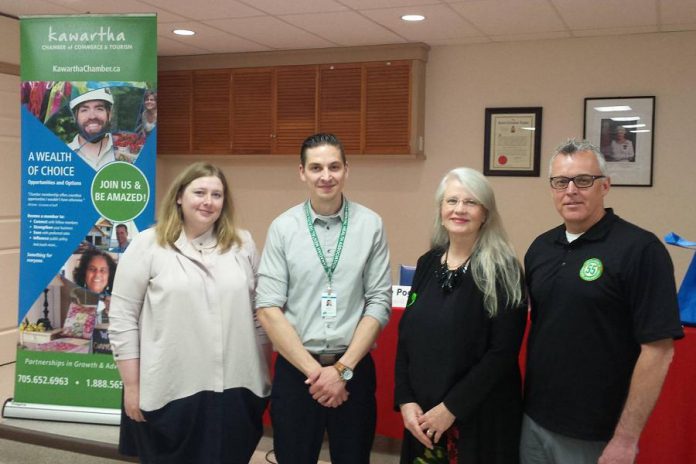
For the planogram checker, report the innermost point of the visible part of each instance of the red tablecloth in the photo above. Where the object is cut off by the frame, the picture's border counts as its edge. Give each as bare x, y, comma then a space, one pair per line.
670, 434
389, 423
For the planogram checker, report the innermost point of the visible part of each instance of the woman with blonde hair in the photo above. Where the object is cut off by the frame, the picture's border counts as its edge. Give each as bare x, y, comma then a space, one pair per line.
457, 376
183, 330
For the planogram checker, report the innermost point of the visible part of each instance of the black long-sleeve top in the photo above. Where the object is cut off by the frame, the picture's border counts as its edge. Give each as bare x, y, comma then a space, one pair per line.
450, 350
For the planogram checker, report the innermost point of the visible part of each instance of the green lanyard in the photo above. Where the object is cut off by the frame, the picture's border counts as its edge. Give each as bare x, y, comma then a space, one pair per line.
339, 246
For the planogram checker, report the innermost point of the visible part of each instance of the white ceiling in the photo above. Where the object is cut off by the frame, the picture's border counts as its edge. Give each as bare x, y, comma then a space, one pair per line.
227, 26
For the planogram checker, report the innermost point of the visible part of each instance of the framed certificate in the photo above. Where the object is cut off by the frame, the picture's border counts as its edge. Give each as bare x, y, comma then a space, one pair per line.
512, 143
623, 129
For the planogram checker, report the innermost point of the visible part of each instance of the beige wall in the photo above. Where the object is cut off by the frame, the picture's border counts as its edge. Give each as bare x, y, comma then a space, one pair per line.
461, 82
558, 75
9, 179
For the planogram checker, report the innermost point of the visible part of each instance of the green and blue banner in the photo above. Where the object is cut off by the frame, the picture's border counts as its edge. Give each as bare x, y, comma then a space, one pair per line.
89, 137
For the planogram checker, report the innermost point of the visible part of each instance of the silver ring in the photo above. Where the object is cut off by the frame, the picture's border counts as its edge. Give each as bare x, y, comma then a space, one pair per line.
431, 433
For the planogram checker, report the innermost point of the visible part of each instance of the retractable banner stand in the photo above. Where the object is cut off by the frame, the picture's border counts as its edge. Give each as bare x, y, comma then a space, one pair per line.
89, 133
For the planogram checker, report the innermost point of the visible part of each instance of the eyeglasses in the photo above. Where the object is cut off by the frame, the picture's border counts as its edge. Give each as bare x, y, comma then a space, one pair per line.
582, 181
467, 202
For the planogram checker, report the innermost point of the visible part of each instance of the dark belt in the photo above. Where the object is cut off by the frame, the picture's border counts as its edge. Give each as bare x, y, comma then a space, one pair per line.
327, 359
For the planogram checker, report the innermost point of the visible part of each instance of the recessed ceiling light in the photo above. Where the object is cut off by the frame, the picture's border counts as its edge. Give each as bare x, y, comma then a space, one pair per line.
413, 17
638, 131
183, 32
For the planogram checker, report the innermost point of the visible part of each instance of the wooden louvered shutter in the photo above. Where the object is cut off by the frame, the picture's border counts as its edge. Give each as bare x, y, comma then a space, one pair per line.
211, 111
387, 110
174, 112
340, 103
252, 111
296, 112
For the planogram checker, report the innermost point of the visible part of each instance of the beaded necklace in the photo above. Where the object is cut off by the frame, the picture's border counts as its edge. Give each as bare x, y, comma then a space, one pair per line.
449, 278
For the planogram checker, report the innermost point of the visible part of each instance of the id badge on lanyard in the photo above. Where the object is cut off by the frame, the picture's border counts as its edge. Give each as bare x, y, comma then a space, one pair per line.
328, 298
328, 306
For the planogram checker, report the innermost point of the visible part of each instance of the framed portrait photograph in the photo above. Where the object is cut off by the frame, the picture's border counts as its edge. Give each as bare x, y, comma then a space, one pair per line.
623, 129
512, 142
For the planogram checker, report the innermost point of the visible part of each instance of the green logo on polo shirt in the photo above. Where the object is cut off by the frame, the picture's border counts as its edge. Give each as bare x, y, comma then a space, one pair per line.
591, 270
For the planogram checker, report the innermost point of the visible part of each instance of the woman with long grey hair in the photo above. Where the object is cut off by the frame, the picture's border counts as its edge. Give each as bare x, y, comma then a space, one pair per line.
457, 376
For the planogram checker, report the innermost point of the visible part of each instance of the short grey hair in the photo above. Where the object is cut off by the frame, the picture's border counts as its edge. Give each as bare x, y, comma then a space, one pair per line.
572, 146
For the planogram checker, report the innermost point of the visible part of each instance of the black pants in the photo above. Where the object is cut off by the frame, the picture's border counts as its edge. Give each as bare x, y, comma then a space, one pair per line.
205, 428
299, 421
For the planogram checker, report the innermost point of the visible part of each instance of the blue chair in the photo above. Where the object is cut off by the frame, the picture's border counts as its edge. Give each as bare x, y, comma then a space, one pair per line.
406, 275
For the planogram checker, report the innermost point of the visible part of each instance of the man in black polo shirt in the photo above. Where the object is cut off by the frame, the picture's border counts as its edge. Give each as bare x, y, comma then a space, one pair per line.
604, 316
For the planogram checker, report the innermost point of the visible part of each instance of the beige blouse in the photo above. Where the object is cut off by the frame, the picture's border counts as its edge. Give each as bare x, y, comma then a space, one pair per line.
187, 313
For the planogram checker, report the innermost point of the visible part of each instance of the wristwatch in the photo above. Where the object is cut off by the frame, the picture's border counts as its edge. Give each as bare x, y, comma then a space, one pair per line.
344, 372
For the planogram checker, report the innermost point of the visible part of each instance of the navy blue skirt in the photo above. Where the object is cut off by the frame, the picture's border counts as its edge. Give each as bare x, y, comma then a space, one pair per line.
205, 428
